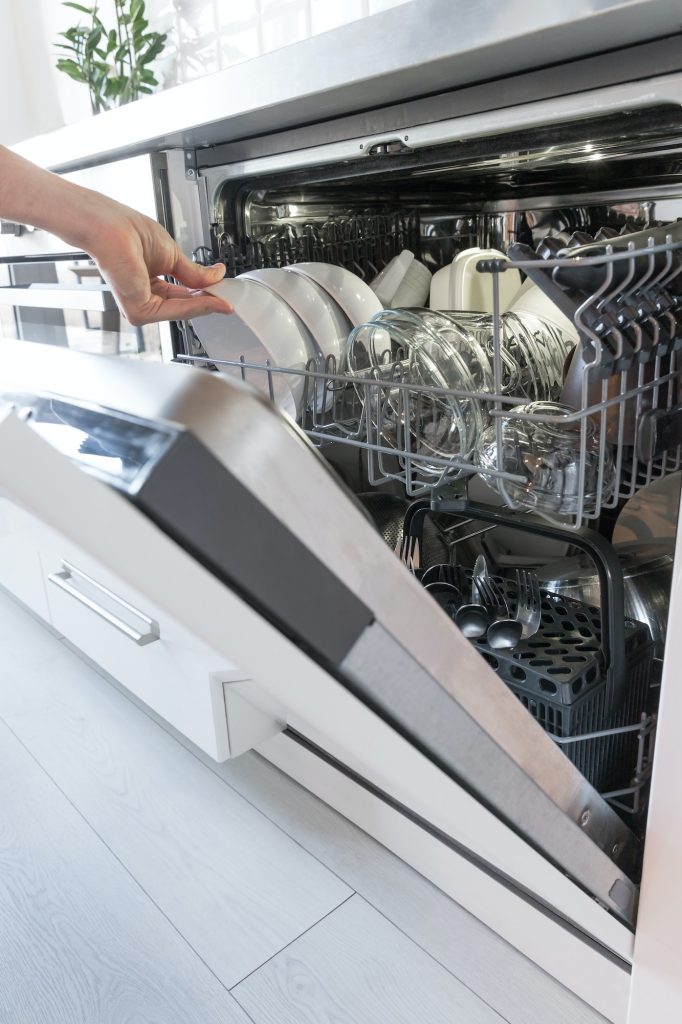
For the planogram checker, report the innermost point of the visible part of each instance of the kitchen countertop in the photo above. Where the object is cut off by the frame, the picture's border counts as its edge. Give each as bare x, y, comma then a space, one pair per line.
417, 49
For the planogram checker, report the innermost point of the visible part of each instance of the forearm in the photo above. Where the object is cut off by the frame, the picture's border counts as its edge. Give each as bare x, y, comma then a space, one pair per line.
31, 195
133, 252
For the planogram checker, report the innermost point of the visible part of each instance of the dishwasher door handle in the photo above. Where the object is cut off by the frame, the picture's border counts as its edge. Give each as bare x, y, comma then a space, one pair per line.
66, 580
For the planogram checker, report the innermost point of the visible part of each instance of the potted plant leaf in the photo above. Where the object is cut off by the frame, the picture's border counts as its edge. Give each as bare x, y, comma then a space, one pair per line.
114, 63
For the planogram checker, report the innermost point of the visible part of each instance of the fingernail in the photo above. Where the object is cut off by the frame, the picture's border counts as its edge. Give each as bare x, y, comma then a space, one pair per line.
219, 266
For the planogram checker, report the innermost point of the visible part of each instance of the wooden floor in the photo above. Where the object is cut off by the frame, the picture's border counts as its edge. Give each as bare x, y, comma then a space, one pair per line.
140, 883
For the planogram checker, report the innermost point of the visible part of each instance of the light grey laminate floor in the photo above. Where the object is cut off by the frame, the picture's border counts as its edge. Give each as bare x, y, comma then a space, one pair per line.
140, 883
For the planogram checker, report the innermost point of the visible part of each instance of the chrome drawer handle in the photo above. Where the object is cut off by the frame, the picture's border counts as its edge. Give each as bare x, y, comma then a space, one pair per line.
65, 581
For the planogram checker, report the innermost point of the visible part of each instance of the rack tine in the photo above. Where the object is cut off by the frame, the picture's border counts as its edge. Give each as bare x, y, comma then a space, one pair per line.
402, 550
407, 550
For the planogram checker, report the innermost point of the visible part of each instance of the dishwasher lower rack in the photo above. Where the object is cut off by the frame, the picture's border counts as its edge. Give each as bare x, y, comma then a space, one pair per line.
568, 461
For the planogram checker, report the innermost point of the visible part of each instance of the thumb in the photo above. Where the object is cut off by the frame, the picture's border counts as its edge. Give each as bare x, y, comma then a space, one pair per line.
193, 275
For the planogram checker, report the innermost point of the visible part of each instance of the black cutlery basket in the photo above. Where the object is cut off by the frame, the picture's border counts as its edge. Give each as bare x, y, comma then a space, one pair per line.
561, 678
587, 670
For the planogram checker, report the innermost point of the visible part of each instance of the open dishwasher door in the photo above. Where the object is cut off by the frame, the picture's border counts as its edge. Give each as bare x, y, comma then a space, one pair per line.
217, 507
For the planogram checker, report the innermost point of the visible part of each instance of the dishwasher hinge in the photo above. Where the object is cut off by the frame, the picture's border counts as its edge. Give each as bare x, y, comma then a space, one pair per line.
191, 173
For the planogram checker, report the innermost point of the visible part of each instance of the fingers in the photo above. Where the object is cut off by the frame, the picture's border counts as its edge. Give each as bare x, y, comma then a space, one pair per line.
193, 275
177, 291
170, 291
184, 307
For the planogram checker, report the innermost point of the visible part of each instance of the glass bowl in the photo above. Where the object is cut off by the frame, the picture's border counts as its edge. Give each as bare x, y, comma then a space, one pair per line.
547, 454
417, 354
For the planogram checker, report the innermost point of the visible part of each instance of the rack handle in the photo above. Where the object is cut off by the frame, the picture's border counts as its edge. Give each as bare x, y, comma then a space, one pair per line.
601, 552
66, 580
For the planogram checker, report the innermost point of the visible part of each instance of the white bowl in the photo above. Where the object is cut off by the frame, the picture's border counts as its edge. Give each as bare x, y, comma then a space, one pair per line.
442, 294
530, 298
262, 328
414, 288
388, 280
462, 286
356, 299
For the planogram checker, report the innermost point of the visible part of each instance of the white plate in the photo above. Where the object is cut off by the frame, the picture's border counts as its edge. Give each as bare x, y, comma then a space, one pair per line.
328, 326
356, 299
262, 328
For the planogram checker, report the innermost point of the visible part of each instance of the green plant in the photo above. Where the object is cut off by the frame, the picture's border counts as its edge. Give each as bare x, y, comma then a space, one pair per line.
113, 63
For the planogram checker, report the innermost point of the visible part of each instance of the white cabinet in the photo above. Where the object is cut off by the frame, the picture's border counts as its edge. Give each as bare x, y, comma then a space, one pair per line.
20, 568
155, 657
152, 655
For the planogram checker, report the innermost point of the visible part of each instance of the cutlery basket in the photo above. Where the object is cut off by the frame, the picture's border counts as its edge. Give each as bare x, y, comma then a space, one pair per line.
585, 676
561, 678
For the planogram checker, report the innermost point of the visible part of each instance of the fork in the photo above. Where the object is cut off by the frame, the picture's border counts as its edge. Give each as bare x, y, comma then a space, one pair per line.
491, 596
407, 551
529, 603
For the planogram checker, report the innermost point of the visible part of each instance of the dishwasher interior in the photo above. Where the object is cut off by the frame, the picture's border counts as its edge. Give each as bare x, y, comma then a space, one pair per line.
603, 554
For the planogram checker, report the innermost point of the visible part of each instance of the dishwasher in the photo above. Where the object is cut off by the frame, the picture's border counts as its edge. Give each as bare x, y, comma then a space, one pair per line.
517, 782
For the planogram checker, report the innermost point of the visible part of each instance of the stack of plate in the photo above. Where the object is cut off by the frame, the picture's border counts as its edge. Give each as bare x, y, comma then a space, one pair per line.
288, 319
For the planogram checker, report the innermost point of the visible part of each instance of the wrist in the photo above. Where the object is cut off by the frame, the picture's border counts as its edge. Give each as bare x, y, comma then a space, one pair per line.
80, 216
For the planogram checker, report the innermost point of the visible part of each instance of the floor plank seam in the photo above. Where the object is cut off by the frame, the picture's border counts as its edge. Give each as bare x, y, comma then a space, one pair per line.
114, 855
305, 931
434, 958
276, 824
208, 767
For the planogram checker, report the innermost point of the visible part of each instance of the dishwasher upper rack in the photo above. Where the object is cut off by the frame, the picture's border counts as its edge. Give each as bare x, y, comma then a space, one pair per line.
354, 412
361, 242
627, 424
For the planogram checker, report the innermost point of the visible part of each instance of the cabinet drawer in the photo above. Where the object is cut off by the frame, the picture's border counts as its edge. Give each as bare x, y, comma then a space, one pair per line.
140, 646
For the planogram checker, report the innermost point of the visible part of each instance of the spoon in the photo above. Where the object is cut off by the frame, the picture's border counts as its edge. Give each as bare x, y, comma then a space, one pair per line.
504, 634
473, 619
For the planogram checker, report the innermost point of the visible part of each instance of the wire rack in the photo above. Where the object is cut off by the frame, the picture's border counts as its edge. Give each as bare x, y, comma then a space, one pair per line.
362, 243
631, 797
568, 463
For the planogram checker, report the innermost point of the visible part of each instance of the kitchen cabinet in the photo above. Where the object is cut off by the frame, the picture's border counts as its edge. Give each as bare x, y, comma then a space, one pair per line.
122, 631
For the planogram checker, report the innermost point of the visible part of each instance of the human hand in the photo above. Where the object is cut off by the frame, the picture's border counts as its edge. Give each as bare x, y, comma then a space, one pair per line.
132, 252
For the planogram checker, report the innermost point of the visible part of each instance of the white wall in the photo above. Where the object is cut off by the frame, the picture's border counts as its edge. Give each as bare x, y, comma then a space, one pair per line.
204, 36
14, 115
